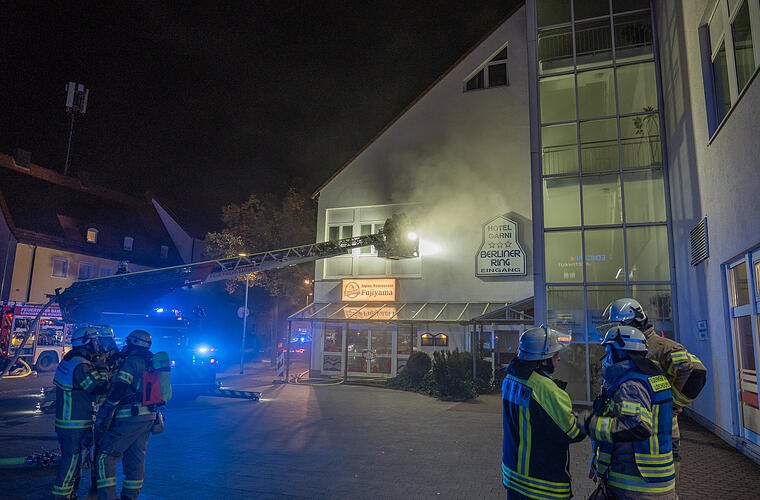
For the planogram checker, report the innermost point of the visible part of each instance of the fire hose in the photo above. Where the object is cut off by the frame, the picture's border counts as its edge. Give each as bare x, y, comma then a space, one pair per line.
302, 379
22, 375
40, 459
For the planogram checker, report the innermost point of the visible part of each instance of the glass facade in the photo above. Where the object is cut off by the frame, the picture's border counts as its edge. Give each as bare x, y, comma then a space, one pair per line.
605, 215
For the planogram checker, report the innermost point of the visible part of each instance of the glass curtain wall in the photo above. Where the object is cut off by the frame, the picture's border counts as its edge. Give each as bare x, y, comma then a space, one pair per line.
605, 213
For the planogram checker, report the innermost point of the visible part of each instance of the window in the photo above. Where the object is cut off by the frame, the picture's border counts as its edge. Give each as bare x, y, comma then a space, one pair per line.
85, 271
105, 271
128, 243
441, 340
727, 39
92, 235
164, 252
335, 233
493, 74
365, 230
60, 267
427, 340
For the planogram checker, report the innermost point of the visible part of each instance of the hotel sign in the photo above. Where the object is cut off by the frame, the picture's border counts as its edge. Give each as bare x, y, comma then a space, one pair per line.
369, 290
500, 254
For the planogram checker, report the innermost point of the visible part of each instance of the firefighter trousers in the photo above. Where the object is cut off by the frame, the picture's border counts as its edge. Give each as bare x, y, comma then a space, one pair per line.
127, 438
73, 444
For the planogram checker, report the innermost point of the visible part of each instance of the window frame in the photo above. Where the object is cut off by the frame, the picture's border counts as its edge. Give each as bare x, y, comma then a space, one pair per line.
709, 53
65, 272
94, 232
164, 251
84, 265
485, 69
128, 247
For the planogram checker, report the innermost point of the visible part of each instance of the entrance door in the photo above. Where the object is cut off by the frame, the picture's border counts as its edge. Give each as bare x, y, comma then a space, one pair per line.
744, 330
370, 351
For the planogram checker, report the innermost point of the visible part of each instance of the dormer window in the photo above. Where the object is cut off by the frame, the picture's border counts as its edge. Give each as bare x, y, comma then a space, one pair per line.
491, 74
128, 242
92, 235
164, 252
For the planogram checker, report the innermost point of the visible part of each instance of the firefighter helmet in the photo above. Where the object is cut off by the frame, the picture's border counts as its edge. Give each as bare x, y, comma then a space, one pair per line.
139, 338
625, 338
541, 342
83, 336
625, 311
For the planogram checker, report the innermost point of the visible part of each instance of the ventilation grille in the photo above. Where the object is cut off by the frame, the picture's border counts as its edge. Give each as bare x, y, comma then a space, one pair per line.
698, 242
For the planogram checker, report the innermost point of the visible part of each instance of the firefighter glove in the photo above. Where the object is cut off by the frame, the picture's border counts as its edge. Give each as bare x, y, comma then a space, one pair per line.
104, 418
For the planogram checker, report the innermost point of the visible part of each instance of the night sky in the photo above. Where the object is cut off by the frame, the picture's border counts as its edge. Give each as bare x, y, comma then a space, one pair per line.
206, 103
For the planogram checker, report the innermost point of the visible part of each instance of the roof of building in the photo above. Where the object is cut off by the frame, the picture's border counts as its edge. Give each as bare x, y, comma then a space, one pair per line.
47, 208
513, 6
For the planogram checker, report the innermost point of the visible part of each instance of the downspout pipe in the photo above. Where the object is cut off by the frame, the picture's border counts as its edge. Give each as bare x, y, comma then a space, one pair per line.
31, 273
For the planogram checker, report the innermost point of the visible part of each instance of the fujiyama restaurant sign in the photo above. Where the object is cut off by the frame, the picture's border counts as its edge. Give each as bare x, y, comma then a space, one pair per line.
369, 290
501, 253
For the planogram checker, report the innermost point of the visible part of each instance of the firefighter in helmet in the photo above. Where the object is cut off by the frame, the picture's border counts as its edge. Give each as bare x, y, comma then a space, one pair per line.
685, 372
539, 423
631, 422
124, 423
78, 384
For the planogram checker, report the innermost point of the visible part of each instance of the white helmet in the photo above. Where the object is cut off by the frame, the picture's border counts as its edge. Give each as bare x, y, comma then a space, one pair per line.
624, 311
83, 336
139, 338
542, 342
625, 338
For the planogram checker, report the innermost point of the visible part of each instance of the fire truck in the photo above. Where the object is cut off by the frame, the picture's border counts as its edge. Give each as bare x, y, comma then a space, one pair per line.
45, 346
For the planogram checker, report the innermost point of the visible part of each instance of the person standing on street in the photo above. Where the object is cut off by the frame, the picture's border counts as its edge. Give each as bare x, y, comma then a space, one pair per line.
124, 423
684, 371
631, 422
78, 384
539, 423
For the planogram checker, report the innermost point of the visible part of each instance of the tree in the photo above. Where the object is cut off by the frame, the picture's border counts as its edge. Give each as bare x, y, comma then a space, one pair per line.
267, 223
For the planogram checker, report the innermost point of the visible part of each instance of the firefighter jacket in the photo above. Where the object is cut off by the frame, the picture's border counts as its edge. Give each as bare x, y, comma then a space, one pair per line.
684, 371
126, 387
631, 431
539, 426
77, 386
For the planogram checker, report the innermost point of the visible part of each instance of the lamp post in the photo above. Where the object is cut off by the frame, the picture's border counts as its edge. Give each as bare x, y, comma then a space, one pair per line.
308, 294
244, 314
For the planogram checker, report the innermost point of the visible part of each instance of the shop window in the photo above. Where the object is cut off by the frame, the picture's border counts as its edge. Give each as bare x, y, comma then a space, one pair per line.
85, 270
441, 340
164, 252
492, 74
427, 339
60, 267
92, 235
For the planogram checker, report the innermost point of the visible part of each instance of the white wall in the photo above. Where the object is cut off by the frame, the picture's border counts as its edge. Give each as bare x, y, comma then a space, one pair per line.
719, 180
465, 157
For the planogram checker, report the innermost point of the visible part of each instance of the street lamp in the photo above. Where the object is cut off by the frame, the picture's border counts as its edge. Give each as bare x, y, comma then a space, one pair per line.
308, 282
245, 311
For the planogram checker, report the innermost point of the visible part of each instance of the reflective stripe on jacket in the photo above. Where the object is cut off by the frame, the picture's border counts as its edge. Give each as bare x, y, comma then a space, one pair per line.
75, 380
538, 428
634, 435
684, 371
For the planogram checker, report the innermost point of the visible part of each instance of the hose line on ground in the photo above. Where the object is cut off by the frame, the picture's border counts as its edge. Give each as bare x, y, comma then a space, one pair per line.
25, 374
302, 379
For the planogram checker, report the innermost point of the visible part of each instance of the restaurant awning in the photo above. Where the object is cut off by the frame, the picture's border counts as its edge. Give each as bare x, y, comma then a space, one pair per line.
397, 312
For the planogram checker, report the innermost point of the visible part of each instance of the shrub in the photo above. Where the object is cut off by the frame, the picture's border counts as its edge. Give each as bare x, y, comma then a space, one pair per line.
417, 366
452, 374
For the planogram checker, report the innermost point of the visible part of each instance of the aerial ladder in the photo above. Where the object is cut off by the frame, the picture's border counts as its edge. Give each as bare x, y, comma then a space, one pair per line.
86, 299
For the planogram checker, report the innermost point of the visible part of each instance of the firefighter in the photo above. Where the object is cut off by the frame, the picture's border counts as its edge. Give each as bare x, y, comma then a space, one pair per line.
77, 384
539, 423
631, 422
124, 423
685, 372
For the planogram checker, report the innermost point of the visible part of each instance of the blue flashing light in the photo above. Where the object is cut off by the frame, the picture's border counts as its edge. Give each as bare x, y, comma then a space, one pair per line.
159, 310
202, 350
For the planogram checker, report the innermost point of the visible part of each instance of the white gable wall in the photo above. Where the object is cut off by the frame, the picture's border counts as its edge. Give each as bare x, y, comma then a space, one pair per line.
463, 158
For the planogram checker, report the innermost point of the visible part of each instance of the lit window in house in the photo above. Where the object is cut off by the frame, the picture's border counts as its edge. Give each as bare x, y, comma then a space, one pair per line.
441, 340
128, 242
164, 252
492, 74
92, 235
427, 339
60, 267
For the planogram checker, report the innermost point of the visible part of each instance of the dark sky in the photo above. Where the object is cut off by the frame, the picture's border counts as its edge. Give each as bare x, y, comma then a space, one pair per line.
207, 102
